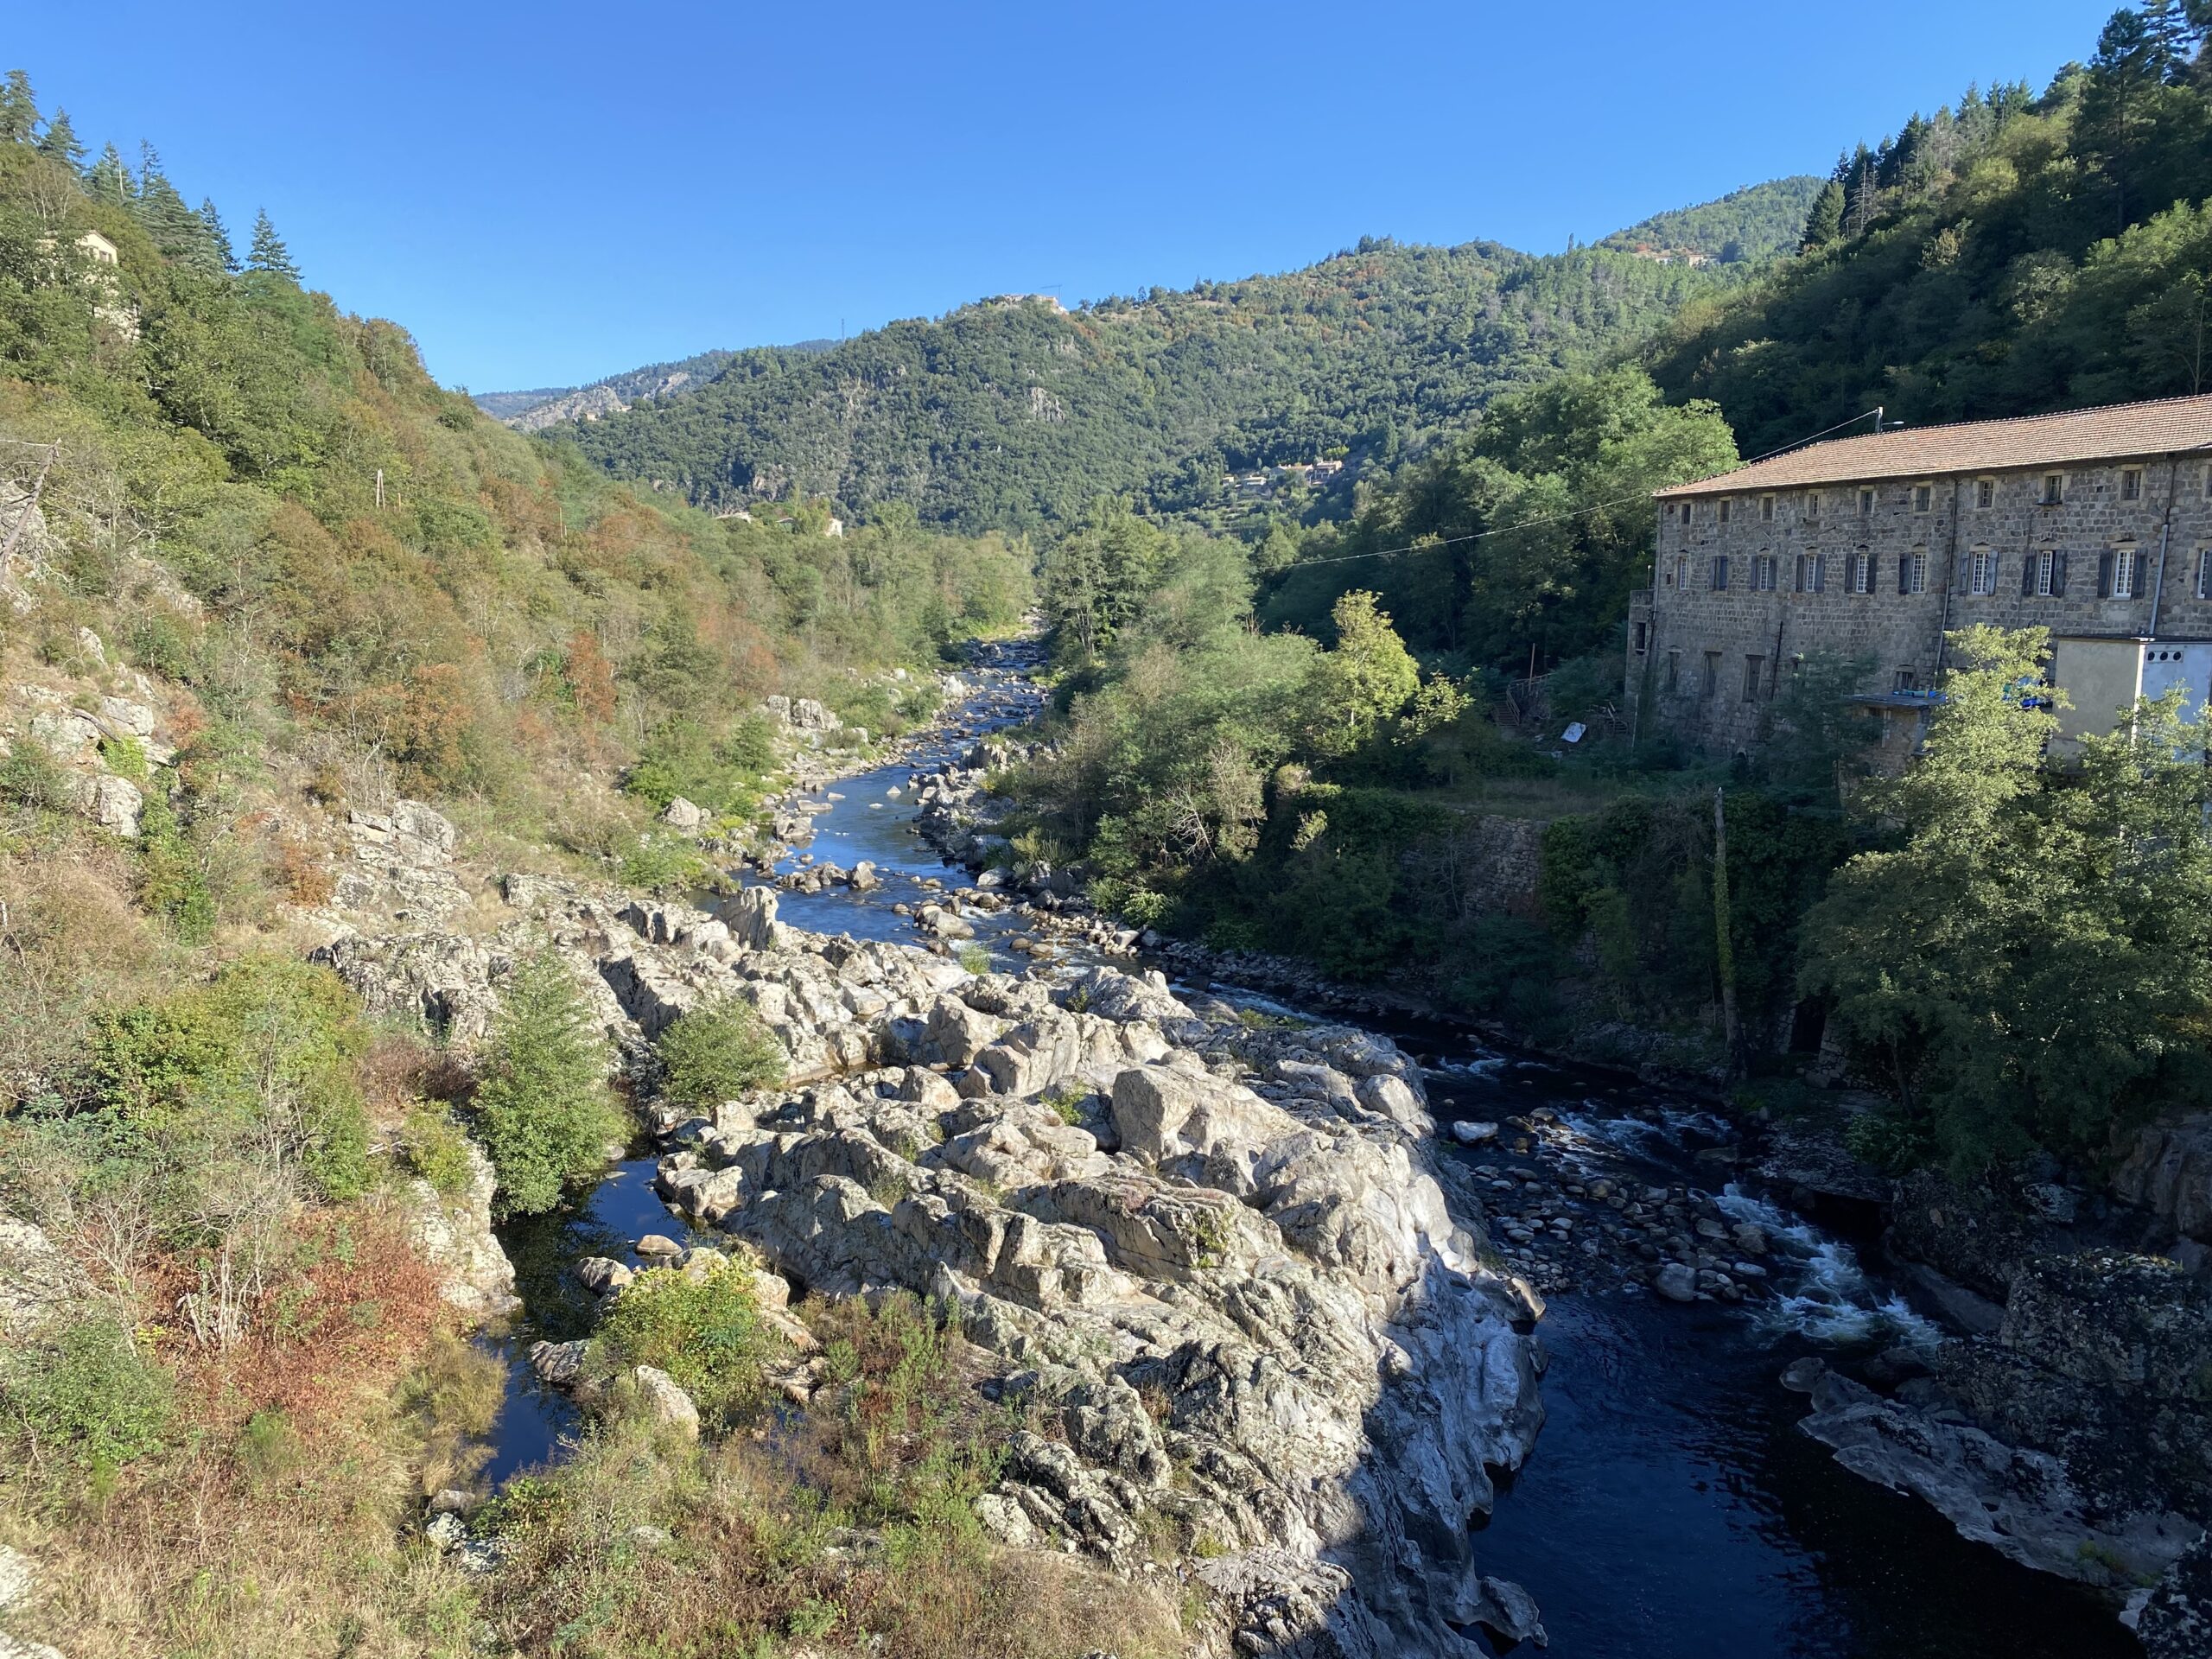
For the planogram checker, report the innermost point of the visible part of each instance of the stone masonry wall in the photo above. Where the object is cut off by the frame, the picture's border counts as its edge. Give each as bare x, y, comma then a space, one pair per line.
1682, 624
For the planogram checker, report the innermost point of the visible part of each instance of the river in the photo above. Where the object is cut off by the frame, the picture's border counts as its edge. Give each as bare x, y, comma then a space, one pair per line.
1671, 1510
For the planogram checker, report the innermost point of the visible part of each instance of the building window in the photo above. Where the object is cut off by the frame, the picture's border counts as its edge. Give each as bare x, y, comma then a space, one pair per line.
2204, 573
1811, 504
1923, 498
1711, 682
1905, 679
1763, 572
1862, 572
2131, 483
2042, 576
1865, 503
2116, 573
1724, 508
1984, 493
1982, 574
2054, 489
1674, 672
1682, 571
1754, 669
1720, 583
1766, 509
1640, 628
1817, 571
1912, 571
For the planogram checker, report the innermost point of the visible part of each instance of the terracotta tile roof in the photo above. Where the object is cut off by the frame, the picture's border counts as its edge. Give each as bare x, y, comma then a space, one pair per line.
2115, 432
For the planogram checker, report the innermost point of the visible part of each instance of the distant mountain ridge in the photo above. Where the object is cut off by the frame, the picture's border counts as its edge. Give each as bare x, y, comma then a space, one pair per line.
532, 412
1011, 413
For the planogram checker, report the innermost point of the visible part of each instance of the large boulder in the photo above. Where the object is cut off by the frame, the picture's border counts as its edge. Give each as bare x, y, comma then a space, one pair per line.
751, 915
112, 802
2167, 1170
454, 1232
665, 1402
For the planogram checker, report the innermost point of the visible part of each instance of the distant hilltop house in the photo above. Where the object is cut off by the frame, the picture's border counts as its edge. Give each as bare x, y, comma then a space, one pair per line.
2095, 525
1268, 482
106, 259
1652, 251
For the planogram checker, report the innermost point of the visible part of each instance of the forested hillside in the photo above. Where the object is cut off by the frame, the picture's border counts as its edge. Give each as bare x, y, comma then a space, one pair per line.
2012, 254
1755, 223
261, 579
1012, 413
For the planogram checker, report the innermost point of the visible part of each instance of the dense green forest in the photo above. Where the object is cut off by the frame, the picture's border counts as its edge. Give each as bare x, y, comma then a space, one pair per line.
2010, 254
1012, 414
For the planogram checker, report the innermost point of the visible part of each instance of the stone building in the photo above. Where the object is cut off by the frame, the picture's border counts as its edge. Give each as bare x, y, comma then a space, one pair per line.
2096, 525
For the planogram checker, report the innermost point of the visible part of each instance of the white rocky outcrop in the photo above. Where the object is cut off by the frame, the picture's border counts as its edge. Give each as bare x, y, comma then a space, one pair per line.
1218, 1258
454, 1232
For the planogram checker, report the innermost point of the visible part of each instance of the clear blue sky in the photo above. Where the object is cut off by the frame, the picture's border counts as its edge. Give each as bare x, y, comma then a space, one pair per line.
550, 193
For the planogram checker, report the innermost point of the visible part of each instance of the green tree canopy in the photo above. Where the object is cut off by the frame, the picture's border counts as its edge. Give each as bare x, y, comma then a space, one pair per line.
542, 1109
2030, 964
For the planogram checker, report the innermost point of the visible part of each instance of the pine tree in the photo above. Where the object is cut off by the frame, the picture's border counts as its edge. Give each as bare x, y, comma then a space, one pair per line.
1824, 222
269, 252
109, 180
176, 230
218, 235
59, 141
18, 109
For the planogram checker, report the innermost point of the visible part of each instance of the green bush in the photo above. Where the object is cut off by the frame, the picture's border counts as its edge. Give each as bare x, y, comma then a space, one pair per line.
704, 1331
663, 863
542, 1109
268, 1047
435, 1149
30, 776
86, 1394
716, 1052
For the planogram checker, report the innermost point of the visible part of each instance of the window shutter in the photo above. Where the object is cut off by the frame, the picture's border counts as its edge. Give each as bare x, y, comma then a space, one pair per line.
1905, 573
2104, 575
1800, 583
2028, 575
2058, 576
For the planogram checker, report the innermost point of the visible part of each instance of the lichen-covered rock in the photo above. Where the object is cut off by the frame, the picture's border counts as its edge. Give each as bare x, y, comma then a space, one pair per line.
403, 865
455, 1234
2175, 1619
37, 1281
664, 1401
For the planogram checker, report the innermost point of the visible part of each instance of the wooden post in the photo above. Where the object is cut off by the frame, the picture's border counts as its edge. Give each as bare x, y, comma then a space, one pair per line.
30, 506
1724, 947
379, 489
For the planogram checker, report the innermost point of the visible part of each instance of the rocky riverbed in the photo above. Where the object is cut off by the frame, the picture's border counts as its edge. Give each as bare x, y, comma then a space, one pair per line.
1269, 1283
